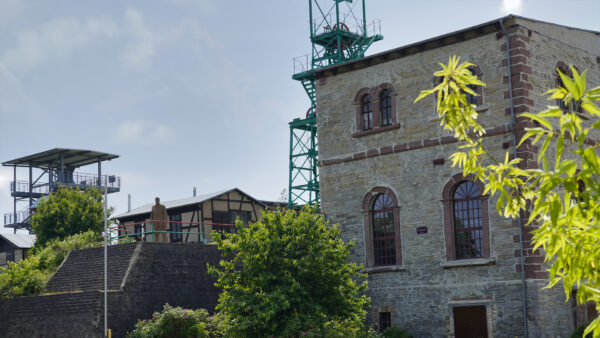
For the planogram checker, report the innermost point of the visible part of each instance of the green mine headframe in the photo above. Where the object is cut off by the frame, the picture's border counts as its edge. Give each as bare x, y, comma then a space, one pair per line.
339, 32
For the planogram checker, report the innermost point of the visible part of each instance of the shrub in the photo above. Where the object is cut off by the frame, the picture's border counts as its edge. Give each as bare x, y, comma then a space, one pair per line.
578, 332
395, 332
286, 274
177, 323
29, 276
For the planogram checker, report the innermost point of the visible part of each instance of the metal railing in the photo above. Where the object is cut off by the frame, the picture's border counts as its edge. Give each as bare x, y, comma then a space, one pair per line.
23, 186
81, 180
21, 217
146, 232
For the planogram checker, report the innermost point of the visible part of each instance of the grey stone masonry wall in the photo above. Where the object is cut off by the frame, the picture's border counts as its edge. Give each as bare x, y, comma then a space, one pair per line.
142, 278
411, 160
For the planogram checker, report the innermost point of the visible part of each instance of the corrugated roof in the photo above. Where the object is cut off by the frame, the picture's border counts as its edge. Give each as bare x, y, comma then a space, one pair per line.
21, 241
147, 208
51, 158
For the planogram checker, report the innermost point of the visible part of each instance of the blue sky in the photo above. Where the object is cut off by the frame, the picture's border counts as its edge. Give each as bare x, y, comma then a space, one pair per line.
189, 93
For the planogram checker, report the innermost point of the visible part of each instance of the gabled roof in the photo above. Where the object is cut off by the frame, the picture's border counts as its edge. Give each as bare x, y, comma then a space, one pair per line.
21, 241
147, 208
51, 158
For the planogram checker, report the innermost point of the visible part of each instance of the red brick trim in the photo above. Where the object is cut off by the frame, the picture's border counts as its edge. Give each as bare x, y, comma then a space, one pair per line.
368, 226
401, 147
447, 193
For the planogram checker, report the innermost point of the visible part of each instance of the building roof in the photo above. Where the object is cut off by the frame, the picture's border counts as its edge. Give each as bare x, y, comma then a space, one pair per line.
21, 241
147, 208
51, 158
435, 42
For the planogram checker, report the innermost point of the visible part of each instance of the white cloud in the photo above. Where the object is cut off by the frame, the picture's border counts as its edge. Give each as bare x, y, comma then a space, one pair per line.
146, 43
142, 132
13, 99
511, 6
55, 39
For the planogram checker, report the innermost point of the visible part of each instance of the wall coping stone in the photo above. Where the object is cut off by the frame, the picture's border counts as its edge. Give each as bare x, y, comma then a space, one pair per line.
385, 268
468, 262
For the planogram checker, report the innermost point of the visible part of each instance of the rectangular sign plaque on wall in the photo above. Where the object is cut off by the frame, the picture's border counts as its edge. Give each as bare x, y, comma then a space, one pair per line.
421, 230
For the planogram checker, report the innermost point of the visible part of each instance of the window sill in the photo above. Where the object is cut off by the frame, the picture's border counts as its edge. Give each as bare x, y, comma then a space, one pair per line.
385, 268
376, 130
468, 262
481, 109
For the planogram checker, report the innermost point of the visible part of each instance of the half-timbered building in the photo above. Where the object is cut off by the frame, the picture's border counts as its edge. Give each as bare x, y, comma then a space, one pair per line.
192, 219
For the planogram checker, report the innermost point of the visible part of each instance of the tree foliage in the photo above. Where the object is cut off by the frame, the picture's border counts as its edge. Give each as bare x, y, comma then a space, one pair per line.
286, 274
562, 197
176, 322
66, 212
28, 277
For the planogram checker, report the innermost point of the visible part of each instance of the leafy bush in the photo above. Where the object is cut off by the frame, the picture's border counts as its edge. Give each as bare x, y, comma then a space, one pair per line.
66, 212
395, 332
578, 332
286, 274
175, 322
29, 276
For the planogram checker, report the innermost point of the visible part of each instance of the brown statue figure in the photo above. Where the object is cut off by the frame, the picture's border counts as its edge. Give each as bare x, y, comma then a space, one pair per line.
160, 220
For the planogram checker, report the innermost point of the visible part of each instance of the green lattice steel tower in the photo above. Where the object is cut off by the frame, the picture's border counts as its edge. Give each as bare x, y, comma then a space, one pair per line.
339, 32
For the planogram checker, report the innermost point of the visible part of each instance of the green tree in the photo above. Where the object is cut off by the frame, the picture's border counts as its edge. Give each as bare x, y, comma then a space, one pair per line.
286, 274
66, 212
29, 276
562, 197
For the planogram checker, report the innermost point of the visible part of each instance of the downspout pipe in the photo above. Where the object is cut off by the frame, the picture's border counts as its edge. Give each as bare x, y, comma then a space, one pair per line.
519, 220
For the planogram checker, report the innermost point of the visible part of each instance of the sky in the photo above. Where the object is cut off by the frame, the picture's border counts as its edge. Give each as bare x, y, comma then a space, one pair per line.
189, 93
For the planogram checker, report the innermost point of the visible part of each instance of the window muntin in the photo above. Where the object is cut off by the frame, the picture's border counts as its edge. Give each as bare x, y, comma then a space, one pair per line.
384, 246
468, 226
224, 220
138, 229
175, 228
385, 107
367, 112
474, 99
385, 320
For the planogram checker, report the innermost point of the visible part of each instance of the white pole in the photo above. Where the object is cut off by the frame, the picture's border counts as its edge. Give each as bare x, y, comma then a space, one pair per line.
105, 262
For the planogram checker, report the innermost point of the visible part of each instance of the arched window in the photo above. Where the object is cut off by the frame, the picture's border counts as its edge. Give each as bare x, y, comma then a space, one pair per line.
475, 99
382, 213
385, 107
366, 107
559, 83
382, 228
466, 221
468, 228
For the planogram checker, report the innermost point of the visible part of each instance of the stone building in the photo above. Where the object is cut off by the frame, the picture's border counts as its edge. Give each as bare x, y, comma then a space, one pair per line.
440, 260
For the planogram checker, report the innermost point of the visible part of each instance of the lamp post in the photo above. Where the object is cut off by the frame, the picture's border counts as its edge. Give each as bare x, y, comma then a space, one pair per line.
105, 261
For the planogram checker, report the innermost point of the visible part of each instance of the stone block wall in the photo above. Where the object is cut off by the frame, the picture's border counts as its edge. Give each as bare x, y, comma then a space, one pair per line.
150, 275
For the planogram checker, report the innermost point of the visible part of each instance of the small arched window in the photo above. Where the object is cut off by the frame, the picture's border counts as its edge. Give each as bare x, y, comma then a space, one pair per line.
475, 99
468, 227
366, 107
385, 107
382, 213
559, 83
